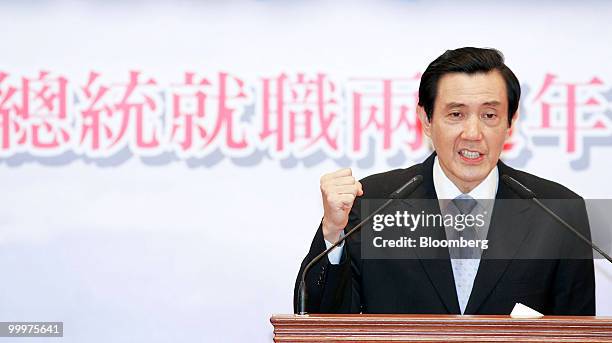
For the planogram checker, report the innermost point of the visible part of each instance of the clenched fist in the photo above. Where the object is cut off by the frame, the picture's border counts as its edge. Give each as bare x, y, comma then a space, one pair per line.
339, 190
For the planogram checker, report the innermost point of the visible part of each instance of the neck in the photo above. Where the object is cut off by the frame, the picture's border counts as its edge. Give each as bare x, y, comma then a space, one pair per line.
463, 186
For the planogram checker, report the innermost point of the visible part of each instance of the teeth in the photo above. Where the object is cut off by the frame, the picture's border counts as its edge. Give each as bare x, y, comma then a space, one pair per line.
469, 154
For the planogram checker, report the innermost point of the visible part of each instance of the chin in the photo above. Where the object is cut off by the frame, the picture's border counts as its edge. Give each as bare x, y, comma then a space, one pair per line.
474, 179
475, 176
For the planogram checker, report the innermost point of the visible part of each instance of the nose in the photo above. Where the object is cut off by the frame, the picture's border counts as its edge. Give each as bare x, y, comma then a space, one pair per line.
472, 129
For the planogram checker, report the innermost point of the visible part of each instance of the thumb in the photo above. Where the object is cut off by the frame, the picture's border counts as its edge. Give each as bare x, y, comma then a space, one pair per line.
360, 189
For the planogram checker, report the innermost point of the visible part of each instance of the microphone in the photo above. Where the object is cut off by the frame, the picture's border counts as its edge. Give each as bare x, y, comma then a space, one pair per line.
527, 193
401, 192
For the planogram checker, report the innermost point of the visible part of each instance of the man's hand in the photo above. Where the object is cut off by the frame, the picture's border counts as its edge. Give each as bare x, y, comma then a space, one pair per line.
339, 190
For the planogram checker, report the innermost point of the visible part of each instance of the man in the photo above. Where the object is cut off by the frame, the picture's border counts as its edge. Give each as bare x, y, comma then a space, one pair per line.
468, 101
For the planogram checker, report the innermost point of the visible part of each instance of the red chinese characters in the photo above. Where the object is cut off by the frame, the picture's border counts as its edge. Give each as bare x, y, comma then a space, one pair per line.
34, 115
113, 116
299, 115
11, 119
206, 114
383, 111
567, 113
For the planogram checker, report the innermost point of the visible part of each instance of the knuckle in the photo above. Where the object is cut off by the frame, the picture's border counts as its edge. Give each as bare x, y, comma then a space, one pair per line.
326, 186
323, 178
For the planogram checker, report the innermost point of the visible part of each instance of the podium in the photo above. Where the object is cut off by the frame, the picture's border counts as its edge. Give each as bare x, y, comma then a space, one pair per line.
438, 328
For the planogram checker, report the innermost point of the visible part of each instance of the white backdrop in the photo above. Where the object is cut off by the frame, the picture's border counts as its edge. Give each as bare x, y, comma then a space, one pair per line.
129, 247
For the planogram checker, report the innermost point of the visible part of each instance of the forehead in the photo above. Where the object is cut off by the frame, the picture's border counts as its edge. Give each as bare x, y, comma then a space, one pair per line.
471, 89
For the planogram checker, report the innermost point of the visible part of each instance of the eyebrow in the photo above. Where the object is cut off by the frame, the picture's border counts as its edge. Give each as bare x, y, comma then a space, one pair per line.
455, 104
491, 103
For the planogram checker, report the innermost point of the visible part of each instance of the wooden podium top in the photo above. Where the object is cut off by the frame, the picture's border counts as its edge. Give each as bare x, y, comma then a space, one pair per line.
438, 328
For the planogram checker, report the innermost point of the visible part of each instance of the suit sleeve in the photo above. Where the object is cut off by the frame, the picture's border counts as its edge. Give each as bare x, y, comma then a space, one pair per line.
574, 286
332, 288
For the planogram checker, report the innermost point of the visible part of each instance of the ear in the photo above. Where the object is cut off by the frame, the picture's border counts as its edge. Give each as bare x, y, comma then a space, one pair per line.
425, 123
512, 124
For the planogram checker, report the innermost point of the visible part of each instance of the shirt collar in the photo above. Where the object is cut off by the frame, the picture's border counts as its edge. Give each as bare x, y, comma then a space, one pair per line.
446, 189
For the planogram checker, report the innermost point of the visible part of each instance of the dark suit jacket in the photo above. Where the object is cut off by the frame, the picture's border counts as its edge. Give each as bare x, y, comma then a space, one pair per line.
553, 286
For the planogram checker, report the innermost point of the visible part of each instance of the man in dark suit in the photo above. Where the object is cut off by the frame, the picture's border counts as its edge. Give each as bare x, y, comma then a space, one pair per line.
468, 99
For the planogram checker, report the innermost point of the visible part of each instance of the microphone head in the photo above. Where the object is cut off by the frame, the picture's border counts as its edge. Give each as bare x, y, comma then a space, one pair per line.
407, 188
518, 187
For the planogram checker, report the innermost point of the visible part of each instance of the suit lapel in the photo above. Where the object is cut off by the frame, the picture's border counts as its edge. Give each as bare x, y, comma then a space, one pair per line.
507, 231
437, 266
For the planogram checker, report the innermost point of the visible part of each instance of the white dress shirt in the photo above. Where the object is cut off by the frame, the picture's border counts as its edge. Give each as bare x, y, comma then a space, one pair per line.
446, 189
465, 270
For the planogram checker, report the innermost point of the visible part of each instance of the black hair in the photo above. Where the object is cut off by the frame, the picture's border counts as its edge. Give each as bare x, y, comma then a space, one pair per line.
467, 60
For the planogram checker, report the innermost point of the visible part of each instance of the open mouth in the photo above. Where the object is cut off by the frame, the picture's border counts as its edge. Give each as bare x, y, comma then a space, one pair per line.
470, 155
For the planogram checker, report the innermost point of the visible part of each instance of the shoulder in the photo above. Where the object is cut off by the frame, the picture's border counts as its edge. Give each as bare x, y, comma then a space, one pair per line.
543, 188
382, 184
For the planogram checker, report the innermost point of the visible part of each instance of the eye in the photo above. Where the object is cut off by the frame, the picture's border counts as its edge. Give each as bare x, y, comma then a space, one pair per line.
489, 115
455, 115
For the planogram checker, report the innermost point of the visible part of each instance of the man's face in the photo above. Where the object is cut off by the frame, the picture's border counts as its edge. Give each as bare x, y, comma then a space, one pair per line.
469, 125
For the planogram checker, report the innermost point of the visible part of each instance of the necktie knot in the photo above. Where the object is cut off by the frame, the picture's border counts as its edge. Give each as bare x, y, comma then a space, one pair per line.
464, 203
